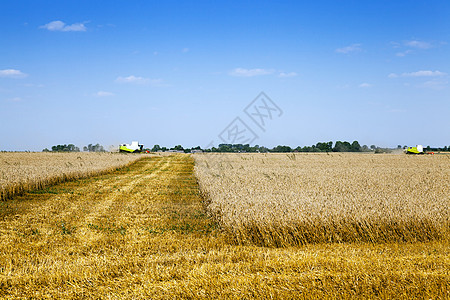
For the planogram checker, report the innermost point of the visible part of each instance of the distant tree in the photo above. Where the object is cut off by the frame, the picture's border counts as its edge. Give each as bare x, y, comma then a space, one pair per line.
177, 148
342, 147
45, 150
263, 149
365, 148
325, 147
355, 147
65, 148
156, 148
399, 146
373, 147
280, 148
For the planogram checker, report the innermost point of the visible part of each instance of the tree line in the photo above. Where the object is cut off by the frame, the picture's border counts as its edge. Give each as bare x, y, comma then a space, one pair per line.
72, 148
338, 146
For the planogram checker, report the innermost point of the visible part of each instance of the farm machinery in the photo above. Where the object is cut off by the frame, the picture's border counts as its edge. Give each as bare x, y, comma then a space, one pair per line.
418, 149
134, 147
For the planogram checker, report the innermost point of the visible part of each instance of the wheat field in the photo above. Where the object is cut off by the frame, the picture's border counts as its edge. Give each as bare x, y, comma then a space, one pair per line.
21, 172
292, 199
143, 232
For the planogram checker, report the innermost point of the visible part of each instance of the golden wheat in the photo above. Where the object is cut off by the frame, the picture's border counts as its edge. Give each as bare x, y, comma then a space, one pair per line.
142, 233
289, 199
21, 172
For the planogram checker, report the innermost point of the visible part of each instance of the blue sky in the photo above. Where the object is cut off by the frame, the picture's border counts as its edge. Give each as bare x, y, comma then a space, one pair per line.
179, 73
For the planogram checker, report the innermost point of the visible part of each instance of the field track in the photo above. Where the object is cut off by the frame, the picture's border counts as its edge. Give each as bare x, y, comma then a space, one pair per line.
72, 239
142, 233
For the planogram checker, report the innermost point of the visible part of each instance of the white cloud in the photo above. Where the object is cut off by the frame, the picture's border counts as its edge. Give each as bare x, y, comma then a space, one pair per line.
411, 46
349, 49
12, 73
418, 44
104, 94
424, 74
141, 81
61, 26
435, 84
184, 50
404, 53
365, 85
132, 79
241, 72
290, 74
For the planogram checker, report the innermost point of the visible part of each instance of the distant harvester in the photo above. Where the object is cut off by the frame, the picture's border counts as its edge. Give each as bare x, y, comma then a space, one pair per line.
418, 149
134, 147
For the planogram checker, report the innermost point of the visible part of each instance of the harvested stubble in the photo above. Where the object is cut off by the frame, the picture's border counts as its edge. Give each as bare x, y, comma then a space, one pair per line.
142, 233
291, 199
20, 172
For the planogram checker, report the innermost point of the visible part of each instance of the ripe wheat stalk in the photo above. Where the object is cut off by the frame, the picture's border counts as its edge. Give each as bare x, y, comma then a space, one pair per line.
21, 172
280, 200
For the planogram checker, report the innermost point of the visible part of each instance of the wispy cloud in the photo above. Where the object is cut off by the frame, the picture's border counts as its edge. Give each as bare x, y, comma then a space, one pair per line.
365, 85
418, 44
435, 84
422, 73
349, 49
132, 79
242, 72
184, 50
104, 94
141, 81
410, 46
288, 74
61, 26
404, 53
12, 73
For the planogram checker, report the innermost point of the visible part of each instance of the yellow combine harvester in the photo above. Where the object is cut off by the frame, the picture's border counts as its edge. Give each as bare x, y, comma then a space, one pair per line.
418, 149
134, 147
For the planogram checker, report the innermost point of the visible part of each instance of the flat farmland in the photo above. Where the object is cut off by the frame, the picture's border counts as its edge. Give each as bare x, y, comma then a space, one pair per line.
21, 172
291, 199
151, 230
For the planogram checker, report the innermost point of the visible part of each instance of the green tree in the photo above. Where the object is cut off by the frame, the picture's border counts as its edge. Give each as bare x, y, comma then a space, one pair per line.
355, 147
65, 148
325, 147
342, 147
156, 148
178, 148
280, 148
